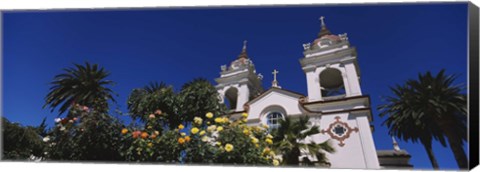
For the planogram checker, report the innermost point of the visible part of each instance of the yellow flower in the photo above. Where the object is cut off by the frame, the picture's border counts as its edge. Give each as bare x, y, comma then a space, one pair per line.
228, 147
181, 140
211, 128
275, 162
198, 120
150, 144
209, 115
265, 126
269, 136
244, 115
269, 141
246, 132
157, 132
195, 130
204, 139
254, 140
244, 120
266, 150
225, 120
202, 132
124, 131
219, 128
218, 143
180, 126
149, 127
183, 134
218, 120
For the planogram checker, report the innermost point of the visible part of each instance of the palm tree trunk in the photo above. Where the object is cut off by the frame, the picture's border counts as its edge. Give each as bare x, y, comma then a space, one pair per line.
455, 143
431, 156
459, 154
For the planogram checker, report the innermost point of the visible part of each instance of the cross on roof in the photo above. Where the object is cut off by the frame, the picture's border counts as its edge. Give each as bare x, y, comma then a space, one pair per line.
275, 82
245, 45
322, 19
275, 72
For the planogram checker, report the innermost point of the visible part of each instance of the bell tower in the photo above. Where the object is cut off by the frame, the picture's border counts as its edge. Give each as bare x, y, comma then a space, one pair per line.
330, 65
239, 82
335, 100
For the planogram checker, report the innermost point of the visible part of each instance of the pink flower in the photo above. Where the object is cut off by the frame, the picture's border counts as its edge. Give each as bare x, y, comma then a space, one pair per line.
151, 116
85, 108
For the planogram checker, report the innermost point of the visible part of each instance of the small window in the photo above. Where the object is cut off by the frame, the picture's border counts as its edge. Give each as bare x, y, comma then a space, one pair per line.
273, 119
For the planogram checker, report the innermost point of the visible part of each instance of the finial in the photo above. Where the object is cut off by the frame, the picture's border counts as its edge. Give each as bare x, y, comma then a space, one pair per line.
275, 82
244, 46
395, 144
322, 19
243, 54
323, 31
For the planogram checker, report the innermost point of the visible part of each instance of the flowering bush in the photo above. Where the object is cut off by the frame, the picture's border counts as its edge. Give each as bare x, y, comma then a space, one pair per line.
85, 134
205, 140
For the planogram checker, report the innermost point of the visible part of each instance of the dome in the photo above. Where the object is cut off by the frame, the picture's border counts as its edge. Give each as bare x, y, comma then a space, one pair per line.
325, 38
242, 59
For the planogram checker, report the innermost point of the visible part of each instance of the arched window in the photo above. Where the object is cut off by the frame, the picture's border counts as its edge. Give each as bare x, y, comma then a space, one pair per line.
331, 82
231, 96
273, 119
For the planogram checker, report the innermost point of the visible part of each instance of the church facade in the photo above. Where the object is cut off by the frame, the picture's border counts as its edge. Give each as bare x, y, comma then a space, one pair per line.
334, 102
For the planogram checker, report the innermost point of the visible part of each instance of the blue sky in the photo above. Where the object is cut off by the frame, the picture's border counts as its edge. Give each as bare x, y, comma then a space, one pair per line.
394, 43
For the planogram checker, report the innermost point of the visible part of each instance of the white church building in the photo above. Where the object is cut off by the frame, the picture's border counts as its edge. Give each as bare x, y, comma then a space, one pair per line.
335, 101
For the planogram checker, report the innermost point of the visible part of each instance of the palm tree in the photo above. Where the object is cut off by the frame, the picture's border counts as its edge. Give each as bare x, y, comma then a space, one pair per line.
95, 137
289, 139
84, 85
407, 125
430, 107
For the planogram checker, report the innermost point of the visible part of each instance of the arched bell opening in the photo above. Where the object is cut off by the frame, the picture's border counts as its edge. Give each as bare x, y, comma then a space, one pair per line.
331, 84
231, 97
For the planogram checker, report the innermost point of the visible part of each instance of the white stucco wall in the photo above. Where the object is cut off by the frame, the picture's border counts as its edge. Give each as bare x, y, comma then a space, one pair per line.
358, 150
288, 102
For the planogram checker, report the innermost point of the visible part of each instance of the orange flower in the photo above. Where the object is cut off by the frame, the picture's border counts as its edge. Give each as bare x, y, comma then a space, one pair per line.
135, 134
144, 135
187, 138
124, 131
153, 136
181, 140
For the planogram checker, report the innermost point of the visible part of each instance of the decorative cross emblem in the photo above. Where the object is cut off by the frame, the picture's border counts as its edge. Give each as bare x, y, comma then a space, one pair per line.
339, 130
